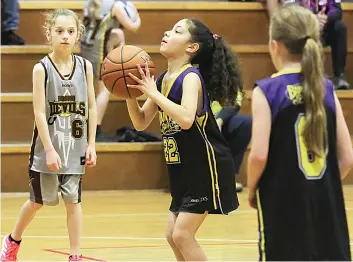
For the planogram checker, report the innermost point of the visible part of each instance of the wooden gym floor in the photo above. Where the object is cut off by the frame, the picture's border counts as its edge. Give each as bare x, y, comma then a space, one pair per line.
130, 225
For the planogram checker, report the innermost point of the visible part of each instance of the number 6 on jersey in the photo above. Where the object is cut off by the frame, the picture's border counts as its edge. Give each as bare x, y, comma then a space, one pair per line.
311, 165
77, 128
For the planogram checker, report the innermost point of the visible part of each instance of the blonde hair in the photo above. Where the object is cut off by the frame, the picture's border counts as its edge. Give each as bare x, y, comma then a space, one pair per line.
93, 8
50, 19
299, 30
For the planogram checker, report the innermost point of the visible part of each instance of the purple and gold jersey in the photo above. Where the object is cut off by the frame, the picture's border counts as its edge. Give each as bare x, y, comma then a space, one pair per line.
301, 206
200, 163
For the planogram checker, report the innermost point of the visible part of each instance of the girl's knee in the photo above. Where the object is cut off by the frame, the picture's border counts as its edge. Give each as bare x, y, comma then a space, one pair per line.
35, 206
72, 205
169, 237
181, 237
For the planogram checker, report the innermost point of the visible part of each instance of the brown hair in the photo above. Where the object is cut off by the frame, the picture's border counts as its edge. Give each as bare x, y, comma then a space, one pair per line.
298, 29
50, 19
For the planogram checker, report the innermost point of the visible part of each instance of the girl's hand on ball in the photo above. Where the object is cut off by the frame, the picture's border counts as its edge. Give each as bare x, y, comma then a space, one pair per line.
146, 84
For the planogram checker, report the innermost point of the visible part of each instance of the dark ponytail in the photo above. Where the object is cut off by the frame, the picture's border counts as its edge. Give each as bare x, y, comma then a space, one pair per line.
218, 66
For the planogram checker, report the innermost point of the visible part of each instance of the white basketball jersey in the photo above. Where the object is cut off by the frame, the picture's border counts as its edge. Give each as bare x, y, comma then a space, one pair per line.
66, 100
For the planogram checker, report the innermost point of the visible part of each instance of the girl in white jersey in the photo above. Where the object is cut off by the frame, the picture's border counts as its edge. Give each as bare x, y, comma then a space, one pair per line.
105, 22
65, 120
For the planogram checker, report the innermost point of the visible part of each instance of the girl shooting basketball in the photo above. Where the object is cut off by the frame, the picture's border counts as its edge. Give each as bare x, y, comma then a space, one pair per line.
63, 101
301, 149
200, 163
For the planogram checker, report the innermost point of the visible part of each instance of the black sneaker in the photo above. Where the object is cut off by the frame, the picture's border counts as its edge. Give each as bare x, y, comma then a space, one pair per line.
239, 187
10, 38
341, 83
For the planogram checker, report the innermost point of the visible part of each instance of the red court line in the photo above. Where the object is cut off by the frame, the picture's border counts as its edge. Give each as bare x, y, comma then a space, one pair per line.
67, 254
165, 245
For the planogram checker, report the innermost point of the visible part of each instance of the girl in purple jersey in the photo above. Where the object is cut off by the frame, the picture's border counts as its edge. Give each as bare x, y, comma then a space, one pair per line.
200, 162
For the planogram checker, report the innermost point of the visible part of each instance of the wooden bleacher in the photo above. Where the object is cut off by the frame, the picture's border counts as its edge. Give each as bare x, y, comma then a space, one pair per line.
239, 23
255, 63
134, 165
120, 166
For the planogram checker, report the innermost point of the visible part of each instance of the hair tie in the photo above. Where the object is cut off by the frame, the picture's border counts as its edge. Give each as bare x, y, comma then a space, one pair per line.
306, 38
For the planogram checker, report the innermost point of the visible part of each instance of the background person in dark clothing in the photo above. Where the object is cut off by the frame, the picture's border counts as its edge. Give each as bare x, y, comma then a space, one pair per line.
236, 129
334, 31
9, 23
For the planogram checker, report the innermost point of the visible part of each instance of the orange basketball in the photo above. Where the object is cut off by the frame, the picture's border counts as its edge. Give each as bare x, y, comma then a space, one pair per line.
116, 68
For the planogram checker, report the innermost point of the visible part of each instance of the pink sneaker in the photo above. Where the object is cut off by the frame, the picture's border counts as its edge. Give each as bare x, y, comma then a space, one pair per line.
9, 250
75, 258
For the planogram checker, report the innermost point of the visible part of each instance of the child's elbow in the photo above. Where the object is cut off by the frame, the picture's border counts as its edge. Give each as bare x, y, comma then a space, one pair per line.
187, 123
135, 27
258, 157
38, 113
347, 163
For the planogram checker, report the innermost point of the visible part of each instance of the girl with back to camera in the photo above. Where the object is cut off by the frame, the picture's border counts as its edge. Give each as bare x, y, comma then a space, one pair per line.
63, 102
200, 163
301, 149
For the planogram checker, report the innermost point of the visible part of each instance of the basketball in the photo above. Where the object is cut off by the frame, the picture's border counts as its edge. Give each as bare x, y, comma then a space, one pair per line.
116, 68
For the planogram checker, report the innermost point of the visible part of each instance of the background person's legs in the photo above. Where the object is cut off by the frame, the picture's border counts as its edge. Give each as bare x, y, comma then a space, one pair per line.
9, 23
116, 39
335, 35
237, 132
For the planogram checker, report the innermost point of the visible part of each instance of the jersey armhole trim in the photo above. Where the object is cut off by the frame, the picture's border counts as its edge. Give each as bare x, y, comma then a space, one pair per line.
85, 66
159, 84
84, 63
46, 77
159, 81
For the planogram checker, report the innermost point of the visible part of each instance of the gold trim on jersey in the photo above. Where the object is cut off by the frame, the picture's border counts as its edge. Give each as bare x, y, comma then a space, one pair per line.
201, 122
287, 71
262, 229
101, 51
166, 89
73, 67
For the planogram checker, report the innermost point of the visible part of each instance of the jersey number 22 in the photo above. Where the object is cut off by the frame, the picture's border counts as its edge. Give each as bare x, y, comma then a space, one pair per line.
171, 150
